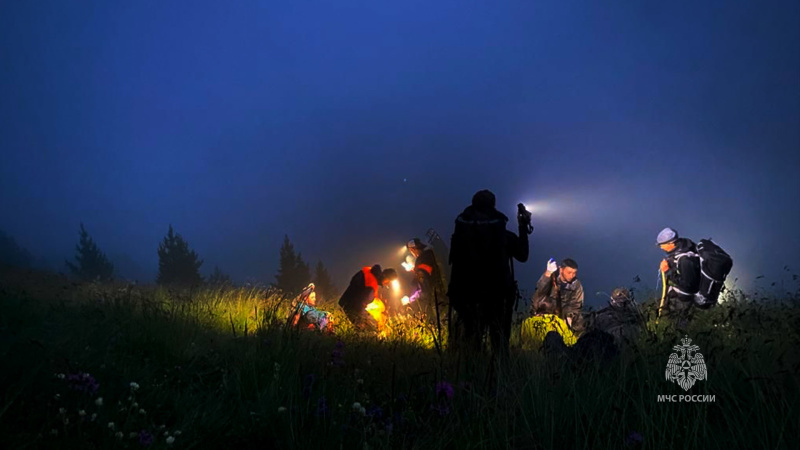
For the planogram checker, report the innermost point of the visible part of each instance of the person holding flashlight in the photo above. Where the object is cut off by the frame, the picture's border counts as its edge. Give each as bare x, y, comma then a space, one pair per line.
560, 292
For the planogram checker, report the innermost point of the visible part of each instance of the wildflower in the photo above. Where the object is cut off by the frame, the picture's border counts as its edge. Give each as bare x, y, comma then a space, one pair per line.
134, 405
359, 409
445, 388
166, 433
635, 438
170, 440
61, 376
66, 420
82, 413
337, 356
177, 432
281, 409
134, 386
94, 416
57, 397
133, 435
360, 381
375, 412
82, 382
118, 435
62, 411
143, 412
99, 401
145, 438
54, 432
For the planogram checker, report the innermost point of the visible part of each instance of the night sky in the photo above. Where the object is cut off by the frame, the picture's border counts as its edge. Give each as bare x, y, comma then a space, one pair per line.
353, 126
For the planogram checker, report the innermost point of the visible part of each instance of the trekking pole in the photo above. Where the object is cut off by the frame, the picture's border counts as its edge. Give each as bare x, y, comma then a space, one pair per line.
663, 295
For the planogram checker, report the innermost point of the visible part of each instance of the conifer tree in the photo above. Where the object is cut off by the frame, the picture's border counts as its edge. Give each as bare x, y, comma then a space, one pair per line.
326, 290
91, 264
177, 263
293, 273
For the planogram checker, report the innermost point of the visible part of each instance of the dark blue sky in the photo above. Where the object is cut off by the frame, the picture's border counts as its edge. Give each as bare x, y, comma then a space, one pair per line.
240, 123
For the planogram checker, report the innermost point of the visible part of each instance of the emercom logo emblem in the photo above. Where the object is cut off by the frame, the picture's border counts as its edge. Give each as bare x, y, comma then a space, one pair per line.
686, 366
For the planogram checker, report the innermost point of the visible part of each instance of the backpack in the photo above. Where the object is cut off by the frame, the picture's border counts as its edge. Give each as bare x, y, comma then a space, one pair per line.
715, 265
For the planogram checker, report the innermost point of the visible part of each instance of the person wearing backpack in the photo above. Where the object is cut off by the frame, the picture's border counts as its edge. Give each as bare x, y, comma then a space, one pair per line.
681, 269
482, 289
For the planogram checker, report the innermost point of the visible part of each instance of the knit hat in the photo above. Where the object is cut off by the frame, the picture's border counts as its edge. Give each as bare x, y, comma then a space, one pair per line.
666, 235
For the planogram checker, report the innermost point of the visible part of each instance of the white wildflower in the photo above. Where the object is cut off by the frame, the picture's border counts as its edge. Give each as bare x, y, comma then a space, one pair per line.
133, 435
111, 425
118, 435
61, 376
170, 440
177, 432
82, 413
360, 381
143, 412
99, 401
134, 386
94, 416
62, 411
134, 405
281, 409
54, 432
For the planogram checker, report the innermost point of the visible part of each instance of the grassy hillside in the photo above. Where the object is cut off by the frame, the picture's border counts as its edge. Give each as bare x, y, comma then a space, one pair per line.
118, 366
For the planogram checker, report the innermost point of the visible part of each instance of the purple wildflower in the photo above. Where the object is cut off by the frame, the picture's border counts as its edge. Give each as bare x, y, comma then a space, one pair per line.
145, 438
635, 438
337, 356
375, 412
444, 388
82, 382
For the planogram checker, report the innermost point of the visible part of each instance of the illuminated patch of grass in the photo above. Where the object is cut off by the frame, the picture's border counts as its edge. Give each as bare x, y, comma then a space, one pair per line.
221, 368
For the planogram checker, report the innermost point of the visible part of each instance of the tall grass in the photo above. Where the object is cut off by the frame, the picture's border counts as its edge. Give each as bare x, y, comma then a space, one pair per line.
220, 367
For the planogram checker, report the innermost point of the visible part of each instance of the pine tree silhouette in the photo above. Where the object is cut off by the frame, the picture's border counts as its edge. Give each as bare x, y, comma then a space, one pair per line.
326, 290
177, 263
91, 264
293, 273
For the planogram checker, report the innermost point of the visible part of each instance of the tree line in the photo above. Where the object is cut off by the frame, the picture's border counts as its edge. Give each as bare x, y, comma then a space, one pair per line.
178, 265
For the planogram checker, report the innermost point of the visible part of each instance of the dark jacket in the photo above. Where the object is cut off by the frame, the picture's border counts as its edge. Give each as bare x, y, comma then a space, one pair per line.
683, 276
480, 255
624, 321
565, 300
431, 280
362, 290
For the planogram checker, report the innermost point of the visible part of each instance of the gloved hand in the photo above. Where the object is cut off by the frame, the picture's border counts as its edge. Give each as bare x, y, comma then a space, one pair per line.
664, 265
551, 266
